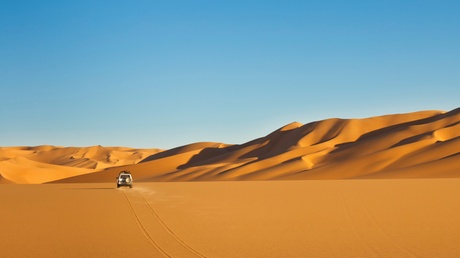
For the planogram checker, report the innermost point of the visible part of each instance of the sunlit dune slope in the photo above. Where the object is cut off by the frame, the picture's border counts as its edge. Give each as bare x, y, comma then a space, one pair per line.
415, 145
48, 163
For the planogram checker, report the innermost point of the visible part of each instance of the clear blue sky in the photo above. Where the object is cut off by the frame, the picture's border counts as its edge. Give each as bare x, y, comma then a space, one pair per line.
167, 73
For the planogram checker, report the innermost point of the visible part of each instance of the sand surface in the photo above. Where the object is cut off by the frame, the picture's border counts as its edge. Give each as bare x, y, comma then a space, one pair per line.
317, 218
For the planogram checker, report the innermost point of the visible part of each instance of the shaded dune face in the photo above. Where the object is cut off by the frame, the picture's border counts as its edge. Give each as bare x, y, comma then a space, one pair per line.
422, 144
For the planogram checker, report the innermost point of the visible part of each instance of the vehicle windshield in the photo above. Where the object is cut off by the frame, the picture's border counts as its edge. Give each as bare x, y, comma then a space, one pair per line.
124, 176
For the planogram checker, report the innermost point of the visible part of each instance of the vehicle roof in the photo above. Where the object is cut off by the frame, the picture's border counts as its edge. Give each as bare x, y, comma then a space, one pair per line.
124, 174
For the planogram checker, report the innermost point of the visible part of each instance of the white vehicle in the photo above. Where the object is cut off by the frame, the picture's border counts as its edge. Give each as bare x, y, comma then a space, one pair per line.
125, 179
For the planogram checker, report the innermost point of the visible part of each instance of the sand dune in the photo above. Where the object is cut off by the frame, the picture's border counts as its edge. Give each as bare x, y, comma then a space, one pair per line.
415, 145
24, 171
49, 163
391, 146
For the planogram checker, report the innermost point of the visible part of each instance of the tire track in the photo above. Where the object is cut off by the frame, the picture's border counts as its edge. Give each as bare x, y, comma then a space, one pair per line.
168, 229
382, 232
142, 228
351, 222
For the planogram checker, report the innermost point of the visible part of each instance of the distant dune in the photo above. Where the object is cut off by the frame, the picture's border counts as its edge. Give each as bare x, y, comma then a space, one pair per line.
49, 163
422, 144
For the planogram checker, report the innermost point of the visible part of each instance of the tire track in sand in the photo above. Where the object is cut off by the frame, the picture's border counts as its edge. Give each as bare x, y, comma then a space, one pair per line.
168, 229
363, 223
381, 230
142, 228
354, 226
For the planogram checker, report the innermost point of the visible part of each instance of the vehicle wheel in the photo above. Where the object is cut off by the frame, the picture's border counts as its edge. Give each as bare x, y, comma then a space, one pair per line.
118, 186
130, 186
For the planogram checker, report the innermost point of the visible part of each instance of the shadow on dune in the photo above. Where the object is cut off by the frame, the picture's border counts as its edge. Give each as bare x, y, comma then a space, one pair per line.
179, 150
262, 148
453, 155
206, 156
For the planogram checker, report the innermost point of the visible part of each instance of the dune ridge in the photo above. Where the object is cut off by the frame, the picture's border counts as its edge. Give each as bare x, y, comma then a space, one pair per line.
424, 144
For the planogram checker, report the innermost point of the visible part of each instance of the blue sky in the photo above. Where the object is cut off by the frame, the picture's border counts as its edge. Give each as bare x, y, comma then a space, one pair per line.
162, 74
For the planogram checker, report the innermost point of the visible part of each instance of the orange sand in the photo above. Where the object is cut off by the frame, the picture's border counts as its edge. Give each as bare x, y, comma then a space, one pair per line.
316, 218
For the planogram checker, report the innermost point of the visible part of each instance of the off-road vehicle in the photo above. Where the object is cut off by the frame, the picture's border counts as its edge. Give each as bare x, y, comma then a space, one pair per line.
124, 179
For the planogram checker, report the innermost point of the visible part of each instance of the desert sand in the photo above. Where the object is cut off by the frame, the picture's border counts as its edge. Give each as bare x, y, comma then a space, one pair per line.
305, 218
384, 186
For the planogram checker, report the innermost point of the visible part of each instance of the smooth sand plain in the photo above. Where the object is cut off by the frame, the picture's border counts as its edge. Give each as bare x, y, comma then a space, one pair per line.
316, 218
